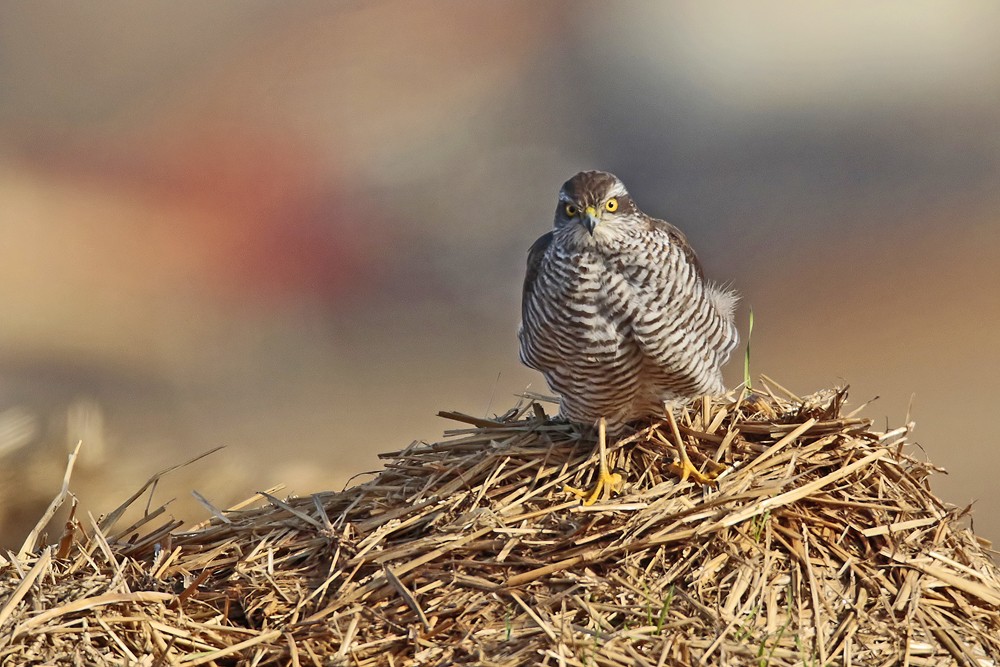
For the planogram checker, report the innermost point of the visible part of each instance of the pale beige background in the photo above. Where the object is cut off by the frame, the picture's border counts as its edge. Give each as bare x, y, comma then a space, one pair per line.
298, 229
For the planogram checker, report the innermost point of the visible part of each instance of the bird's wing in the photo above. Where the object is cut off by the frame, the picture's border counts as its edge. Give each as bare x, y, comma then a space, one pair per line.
678, 239
723, 299
535, 255
681, 332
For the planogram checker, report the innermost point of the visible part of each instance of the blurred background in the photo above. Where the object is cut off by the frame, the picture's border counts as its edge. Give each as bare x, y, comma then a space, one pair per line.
299, 229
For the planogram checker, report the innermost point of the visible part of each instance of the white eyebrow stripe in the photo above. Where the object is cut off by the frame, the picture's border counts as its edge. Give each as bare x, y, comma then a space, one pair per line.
618, 190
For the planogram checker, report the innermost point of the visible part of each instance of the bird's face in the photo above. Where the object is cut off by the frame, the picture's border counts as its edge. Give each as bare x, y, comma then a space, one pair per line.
593, 206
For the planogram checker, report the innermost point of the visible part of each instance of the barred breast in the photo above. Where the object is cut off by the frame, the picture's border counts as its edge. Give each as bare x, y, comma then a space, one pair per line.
619, 329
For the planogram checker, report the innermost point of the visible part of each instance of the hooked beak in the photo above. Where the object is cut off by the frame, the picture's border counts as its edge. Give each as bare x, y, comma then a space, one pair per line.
589, 219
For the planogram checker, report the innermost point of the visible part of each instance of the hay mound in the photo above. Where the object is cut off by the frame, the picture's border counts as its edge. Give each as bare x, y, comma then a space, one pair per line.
821, 545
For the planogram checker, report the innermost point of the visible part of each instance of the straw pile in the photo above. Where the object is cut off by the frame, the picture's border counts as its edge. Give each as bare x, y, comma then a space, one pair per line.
822, 544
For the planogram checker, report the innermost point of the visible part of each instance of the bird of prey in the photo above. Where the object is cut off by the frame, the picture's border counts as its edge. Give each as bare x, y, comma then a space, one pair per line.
618, 316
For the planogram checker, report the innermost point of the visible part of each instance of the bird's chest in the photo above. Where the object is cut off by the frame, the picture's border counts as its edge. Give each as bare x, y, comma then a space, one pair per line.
585, 275
613, 283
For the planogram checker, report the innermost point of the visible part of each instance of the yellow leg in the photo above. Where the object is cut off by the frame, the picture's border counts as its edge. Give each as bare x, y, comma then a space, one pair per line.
683, 466
607, 483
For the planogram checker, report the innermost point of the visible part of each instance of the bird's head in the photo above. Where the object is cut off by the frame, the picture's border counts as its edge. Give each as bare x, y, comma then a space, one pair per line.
593, 204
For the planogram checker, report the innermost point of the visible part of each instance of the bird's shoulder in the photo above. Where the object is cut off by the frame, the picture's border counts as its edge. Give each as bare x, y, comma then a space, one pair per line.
535, 255
675, 237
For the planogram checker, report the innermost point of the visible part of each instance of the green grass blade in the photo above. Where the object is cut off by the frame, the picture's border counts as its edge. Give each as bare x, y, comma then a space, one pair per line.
746, 359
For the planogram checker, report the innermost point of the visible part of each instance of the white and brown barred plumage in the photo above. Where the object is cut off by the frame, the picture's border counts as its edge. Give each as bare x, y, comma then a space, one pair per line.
616, 312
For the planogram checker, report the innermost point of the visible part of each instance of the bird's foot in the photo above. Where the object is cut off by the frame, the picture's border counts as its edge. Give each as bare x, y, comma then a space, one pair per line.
686, 470
683, 466
607, 483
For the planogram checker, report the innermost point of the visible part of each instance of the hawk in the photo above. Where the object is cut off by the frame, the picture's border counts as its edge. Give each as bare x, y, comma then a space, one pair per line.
617, 314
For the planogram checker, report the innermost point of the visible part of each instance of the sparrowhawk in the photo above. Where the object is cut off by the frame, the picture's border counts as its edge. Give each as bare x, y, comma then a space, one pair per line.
616, 312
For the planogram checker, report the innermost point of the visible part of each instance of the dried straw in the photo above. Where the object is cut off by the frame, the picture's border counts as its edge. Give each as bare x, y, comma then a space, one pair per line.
822, 544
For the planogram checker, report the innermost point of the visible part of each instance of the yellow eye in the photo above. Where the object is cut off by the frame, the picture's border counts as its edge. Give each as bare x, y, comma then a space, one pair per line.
612, 204
571, 210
